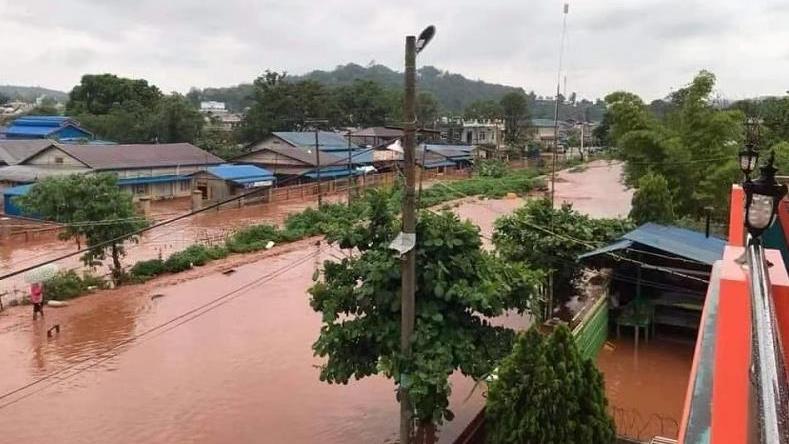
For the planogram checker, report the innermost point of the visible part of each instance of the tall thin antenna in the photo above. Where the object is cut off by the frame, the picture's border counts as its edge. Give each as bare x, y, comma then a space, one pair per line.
556, 107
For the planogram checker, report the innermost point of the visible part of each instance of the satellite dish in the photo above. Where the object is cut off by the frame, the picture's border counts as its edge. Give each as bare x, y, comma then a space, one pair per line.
425, 37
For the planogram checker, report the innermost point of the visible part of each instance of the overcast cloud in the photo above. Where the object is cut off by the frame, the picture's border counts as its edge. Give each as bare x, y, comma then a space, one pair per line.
645, 46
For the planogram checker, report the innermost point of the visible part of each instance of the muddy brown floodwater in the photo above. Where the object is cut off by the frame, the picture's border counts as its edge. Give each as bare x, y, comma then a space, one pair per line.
207, 357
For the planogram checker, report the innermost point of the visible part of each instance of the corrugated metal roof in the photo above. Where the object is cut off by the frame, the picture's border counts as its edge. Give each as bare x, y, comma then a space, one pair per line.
29, 173
301, 154
14, 151
677, 241
44, 121
116, 157
616, 246
326, 139
240, 173
152, 179
330, 172
378, 131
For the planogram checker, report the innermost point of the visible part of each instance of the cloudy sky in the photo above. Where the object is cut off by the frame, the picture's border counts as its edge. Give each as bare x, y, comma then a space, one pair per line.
645, 46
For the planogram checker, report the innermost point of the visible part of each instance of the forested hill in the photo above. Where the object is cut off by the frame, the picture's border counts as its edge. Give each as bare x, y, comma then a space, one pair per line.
453, 91
31, 93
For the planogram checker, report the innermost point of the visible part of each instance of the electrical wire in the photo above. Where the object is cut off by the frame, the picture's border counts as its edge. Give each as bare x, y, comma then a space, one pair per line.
153, 226
183, 318
578, 241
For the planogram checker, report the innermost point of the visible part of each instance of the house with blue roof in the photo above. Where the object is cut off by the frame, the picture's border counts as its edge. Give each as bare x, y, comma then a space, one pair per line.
221, 182
292, 156
46, 127
659, 276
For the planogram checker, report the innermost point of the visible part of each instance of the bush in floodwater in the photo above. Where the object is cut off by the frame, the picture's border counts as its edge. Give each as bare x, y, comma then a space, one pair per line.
68, 284
144, 270
253, 238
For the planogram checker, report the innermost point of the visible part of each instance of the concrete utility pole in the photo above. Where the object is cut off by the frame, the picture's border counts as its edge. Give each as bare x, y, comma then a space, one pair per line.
408, 266
408, 234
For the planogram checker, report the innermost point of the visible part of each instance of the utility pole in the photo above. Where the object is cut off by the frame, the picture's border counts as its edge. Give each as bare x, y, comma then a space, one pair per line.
581, 151
350, 170
408, 266
318, 161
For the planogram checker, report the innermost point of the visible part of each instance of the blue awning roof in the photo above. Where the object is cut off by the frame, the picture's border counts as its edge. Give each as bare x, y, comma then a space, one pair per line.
154, 179
19, 190
327, 173
680, 242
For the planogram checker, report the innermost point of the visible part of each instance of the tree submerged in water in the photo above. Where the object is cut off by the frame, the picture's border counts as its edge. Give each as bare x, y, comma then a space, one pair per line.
91, 207
459, 288
546, 392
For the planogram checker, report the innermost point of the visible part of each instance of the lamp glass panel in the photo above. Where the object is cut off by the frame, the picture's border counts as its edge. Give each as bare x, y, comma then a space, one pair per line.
760, 212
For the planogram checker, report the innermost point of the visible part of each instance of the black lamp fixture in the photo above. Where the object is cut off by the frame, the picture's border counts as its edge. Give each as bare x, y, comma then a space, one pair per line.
749, 156
424, 38
762, 197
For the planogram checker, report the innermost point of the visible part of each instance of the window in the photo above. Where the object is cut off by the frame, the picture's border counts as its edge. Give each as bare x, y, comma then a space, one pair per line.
59, 160
140, 188
481, 135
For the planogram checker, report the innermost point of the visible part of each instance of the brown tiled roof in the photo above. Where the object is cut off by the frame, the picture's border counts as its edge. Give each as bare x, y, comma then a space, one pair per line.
13, 152
300, 154
115, 157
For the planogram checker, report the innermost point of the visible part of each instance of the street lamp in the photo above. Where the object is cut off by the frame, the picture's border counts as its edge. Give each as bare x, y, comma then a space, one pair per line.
749, 156
762, 197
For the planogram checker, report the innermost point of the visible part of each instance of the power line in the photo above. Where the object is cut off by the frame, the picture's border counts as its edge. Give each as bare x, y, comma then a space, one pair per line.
148, 228
183, 318
587, 244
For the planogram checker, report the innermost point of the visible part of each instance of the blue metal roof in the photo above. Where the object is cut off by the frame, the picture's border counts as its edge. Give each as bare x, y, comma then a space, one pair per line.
332, 172
19, 190
326, 140
358, 156
51, 121
241, 174
680, 242
40, 132
152, 179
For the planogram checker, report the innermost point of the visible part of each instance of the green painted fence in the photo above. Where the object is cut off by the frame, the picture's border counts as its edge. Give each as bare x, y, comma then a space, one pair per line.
592, 331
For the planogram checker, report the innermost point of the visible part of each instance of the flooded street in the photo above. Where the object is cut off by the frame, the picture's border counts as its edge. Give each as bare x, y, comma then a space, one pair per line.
208, 357
646, 389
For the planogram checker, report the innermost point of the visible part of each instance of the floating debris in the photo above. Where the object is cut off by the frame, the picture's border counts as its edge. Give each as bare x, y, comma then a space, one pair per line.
269, 245
57, 304
157, 296
56, 328
229, 271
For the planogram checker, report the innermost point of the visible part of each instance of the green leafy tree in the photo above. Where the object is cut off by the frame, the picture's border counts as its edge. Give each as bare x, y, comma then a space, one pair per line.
102, 93
517, 121
176, 120
694, 148
781, 151
545, 392
459, 288
652, 201
92, 208
427, 109
483, 109
520, 237
280, 105
363, 103
4, 99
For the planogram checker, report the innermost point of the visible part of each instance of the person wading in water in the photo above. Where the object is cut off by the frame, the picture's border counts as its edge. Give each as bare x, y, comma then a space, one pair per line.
37, 298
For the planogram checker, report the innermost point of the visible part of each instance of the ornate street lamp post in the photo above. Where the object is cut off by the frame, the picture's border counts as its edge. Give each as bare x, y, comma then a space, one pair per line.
762, 197
749, 156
